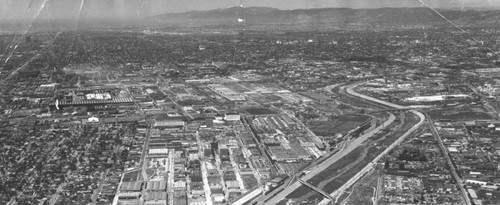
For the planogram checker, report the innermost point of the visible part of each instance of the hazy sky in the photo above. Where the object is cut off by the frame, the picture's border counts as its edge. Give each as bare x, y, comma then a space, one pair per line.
16, 9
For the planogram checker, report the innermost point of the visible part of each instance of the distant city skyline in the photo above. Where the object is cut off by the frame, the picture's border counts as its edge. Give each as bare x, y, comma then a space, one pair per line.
88, 9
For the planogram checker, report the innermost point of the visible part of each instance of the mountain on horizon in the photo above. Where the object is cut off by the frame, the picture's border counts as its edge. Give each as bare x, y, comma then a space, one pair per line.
255, 16
265, 18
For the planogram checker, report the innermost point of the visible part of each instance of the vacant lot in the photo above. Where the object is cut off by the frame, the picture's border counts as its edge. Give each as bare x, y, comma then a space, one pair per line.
338, 124
373, 151
363, 191
461, 114
335, 175
259, 111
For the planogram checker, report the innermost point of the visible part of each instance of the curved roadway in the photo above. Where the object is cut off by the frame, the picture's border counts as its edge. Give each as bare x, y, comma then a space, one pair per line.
351, 91
354, 144
325, 164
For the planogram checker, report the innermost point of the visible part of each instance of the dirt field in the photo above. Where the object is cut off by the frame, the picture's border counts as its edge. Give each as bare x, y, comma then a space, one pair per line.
339, 124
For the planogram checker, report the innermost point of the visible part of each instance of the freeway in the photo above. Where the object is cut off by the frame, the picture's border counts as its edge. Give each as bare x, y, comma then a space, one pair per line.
274, 199
341, 91
337, 193
326, 163
449, 161
350, 91
356, 143
277, 195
